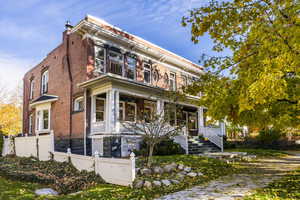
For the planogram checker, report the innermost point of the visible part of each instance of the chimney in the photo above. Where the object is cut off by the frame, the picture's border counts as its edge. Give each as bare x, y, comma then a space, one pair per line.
68, 28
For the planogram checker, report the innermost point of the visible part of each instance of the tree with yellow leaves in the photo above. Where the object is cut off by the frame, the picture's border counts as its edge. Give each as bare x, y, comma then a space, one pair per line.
10, 119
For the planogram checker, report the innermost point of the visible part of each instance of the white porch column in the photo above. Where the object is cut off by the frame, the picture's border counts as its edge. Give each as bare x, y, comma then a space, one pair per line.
200, 119
112, 110
160, 107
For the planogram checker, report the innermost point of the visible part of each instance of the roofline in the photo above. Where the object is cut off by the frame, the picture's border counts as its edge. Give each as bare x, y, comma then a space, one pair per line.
148, 43
44, 101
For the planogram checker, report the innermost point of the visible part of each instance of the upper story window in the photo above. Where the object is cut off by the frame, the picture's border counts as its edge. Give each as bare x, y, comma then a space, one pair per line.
78, 104
155, 75
172, 81
184, 80
31, 95
116, 62
147, 73
44, 83
131, 66
166, 79
99, 59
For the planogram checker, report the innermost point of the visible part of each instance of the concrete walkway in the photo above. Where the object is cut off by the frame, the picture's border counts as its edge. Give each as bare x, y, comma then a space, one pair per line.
237, 186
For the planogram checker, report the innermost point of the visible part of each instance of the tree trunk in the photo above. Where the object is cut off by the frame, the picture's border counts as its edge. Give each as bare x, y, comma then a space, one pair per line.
151, 148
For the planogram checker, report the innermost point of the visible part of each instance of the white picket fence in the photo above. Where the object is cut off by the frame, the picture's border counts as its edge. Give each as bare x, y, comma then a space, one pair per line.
112, 170
8, 147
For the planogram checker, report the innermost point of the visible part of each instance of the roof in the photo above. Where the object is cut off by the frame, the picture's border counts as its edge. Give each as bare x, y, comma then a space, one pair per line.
96, 23
44, 99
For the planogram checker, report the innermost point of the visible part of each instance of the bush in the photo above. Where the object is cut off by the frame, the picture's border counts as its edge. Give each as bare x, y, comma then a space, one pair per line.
269, 137
166, 147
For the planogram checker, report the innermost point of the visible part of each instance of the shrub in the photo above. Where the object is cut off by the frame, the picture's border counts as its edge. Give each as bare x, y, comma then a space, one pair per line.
269, 137
166, 147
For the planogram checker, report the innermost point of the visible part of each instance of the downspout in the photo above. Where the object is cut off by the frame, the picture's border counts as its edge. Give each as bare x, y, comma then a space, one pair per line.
68, 29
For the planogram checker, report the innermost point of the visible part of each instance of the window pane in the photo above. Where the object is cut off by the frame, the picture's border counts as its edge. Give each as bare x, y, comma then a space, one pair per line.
99, 116
130, 112
99, 105
121, 110
131, 64
45, 119
116, 68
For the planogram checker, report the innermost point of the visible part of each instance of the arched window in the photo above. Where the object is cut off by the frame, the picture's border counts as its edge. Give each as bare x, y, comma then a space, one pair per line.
166, 78
44, 82
78, 104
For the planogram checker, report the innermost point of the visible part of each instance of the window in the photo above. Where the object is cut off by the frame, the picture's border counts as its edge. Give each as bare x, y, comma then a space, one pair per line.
100, 109
147, 73
155, 75
44, 85
30, 130
166, 79
78, 104
116, 62
42, 120
121, 111
131, 65
172, 81
31, 89
130, 112
184, 80
127, 111
99, 59
149, 108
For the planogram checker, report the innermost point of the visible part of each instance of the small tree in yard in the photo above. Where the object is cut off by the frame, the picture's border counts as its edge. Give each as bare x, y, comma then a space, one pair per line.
155, 128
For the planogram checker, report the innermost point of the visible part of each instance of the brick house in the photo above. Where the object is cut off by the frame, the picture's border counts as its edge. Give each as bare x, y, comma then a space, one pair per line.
98, 76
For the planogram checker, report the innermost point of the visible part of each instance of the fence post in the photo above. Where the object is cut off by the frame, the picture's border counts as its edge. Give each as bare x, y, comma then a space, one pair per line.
96, 162
132, 158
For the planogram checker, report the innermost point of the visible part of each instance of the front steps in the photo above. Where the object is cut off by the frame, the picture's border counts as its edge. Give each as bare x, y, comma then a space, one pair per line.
197, 145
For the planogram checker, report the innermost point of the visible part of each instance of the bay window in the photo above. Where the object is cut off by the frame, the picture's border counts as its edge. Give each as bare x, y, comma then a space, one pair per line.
99, 109
127, 111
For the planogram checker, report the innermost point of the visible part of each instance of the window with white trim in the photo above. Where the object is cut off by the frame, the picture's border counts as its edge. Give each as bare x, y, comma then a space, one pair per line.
172, 81
31, 89
43, 120
44, 82
99, 59
30, 130
131, 66
147, 73
99, 109
184, 80
78, 104
116, 62
127, 111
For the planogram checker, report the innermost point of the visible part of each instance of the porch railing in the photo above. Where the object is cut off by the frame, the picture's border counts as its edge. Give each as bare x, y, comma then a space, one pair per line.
214, 135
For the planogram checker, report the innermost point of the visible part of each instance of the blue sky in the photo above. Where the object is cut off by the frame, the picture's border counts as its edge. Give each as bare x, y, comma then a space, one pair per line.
32, 28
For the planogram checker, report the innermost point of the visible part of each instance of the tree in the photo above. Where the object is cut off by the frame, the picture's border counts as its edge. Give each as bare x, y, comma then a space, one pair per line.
10, 119
258, 83
155, 127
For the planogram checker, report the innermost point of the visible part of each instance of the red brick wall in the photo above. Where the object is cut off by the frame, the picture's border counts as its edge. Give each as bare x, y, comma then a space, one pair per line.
59, 85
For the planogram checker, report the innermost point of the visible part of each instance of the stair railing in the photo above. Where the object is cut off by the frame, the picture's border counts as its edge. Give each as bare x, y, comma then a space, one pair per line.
214, 135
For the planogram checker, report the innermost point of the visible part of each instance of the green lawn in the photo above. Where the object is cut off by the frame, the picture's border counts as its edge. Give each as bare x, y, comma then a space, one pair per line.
287, 188
211, 169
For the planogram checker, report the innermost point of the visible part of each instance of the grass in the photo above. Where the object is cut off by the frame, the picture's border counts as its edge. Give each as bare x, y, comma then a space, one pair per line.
286, 188
260, 153
211, 169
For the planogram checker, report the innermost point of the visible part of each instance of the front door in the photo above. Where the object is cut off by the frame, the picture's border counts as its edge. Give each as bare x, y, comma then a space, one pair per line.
191, 123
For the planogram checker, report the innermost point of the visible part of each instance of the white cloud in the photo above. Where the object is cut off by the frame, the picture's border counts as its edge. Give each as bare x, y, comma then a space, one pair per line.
12, 70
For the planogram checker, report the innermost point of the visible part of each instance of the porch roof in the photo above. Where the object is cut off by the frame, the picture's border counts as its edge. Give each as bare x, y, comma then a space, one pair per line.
112, 77
44, 99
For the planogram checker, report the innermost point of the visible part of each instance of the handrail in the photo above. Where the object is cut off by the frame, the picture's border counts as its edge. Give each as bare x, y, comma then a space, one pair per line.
214, 135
